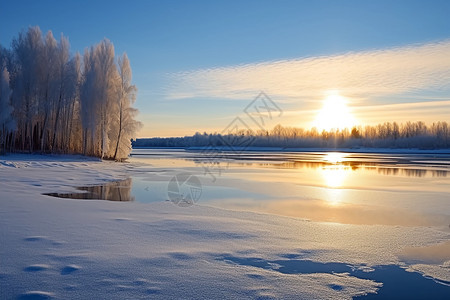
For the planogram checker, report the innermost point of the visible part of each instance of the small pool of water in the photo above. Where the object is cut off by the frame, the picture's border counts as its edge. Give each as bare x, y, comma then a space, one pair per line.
112, 191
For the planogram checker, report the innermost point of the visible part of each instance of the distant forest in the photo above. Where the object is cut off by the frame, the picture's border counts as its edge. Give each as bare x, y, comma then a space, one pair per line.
54, 102
386, 135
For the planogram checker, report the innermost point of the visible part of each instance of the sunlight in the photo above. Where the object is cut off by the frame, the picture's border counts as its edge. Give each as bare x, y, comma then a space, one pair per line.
334, 157
334, 114
334, 176
334, 197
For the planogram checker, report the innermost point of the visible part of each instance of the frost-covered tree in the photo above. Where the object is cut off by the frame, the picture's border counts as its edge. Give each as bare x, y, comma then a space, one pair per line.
106, 83
7, 124
63, 103
27, 48
87, 103
48, 87
97, 98
386, 135
68, 132
64, 82
126, 126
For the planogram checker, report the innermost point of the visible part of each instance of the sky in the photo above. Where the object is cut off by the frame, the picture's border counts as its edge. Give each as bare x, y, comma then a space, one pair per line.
199, 65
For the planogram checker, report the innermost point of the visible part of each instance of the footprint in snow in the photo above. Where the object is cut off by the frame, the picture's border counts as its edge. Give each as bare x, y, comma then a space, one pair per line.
37, 268
41, 238
336, 287
153, 291
69, 269
123, 219
36, 238
36, 295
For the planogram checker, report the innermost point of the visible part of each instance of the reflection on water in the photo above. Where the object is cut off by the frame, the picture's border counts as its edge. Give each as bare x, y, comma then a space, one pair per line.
334, 196
433, 254
411, 172
334, 176
383, 168
334, 157
112, 191
411, 165
350, 188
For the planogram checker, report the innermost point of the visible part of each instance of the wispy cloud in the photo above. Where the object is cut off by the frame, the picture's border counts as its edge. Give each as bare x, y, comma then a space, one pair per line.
427, 111
356, 75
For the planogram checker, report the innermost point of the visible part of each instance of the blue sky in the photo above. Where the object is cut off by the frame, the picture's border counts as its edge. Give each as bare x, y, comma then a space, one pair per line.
184, 54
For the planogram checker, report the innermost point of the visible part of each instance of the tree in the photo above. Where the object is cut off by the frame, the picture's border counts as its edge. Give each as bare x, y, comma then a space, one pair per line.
64, 103
27, 49
98, 91
7, 123
47, 86
356, 132
126, 96
63, 82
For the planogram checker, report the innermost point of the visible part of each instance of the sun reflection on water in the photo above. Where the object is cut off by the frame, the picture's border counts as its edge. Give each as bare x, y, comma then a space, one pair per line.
334, 176
334, 157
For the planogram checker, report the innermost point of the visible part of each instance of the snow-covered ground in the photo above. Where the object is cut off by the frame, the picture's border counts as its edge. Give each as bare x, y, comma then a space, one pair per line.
84, 249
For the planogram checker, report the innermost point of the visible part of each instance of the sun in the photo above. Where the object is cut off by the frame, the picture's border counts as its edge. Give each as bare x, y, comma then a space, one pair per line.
335, 114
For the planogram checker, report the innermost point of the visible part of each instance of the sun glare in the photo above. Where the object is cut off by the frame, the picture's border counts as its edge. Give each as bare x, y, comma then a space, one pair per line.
334, 176
335, 114
334, 179
334, 157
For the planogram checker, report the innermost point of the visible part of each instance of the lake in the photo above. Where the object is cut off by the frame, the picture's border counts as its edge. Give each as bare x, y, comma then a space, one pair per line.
350, 188
396, 195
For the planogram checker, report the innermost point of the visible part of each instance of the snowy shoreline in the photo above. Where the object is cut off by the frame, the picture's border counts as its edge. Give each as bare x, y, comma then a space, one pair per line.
61, 248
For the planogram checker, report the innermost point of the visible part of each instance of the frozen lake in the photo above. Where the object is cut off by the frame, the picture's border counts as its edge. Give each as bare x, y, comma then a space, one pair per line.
351, 188
380, 224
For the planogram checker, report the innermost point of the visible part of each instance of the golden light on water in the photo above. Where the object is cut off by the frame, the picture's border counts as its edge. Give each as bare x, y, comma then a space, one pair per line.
334, 114
334, 196
334, 157
334, 176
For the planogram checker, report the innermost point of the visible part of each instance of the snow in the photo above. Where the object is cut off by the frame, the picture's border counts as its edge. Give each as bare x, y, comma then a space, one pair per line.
85, 249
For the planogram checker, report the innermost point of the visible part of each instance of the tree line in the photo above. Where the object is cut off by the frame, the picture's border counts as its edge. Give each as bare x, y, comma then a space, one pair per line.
386, 135
54, 102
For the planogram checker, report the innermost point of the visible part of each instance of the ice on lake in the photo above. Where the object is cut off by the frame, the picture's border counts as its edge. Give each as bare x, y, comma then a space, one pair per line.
380, 222
351, 188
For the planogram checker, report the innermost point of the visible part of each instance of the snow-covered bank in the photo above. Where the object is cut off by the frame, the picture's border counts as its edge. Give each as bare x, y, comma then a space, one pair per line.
83, 249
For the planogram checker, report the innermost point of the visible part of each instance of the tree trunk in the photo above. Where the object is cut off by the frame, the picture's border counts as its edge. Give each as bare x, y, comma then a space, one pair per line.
120, 130
57, 119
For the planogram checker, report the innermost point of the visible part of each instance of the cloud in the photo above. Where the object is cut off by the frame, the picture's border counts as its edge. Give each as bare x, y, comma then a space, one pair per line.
355, 75
427, 111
